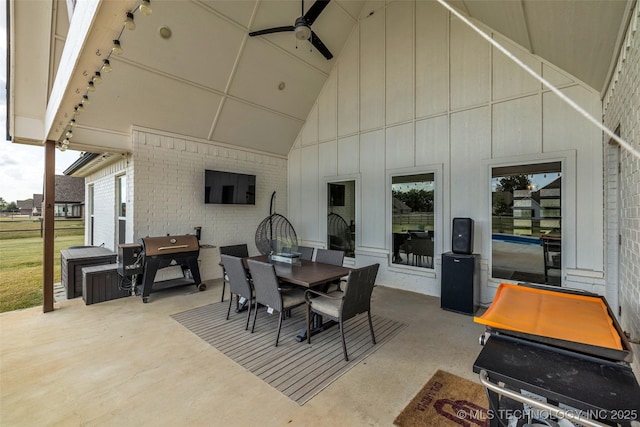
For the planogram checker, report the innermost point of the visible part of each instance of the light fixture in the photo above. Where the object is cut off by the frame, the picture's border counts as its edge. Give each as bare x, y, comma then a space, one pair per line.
69, 134
117, 48
165, 32
97, 78
145, 7
85, 100
78, 109
129, 23
302, 30
72, 123
106, 66
62, 147
91, 87
65, 142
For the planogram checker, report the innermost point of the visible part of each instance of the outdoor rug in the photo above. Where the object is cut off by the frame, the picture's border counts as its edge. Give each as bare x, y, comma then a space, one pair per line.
298, 370
446, 400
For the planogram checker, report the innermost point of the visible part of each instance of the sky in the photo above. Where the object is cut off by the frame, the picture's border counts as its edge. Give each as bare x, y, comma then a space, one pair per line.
21, 166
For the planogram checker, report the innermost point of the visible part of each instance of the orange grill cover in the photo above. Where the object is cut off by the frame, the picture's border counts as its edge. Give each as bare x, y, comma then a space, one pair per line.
576, 318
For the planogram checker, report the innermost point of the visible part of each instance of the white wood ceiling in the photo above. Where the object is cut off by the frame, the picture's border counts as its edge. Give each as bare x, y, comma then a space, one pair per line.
211, 81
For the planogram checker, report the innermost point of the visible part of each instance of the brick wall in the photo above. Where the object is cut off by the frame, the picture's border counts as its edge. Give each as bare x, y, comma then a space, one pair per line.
621, 107
168, 190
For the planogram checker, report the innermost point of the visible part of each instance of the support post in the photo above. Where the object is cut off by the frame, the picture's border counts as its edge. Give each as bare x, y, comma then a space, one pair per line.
47, 214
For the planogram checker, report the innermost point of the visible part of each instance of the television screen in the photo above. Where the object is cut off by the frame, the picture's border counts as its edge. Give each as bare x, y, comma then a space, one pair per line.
228, 188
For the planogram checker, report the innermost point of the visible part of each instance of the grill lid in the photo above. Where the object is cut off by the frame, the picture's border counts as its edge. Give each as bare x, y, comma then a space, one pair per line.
166, 245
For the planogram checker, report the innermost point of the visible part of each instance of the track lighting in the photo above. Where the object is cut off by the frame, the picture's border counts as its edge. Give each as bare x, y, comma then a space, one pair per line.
63, 148
72, 123
65, 142
69, 134
78, 109
97, 78
145, 7
106, 66
85, 100
91, 87
117, 47
129, 23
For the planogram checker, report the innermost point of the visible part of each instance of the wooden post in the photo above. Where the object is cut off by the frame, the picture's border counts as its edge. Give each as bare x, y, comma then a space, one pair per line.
47, 214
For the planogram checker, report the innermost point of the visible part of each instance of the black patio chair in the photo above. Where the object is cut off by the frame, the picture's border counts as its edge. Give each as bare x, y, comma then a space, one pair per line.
239, 284
241, 251
267, 290
333, 257
341, 306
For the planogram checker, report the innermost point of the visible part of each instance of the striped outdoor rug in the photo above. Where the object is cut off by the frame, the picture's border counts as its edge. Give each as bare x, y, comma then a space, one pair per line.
298, 370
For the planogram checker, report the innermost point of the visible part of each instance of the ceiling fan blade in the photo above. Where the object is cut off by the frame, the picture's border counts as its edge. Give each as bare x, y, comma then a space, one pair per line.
317, 43
272, 30
315, 11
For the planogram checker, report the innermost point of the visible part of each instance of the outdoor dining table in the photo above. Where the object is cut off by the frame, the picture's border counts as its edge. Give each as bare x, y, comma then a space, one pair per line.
306, 274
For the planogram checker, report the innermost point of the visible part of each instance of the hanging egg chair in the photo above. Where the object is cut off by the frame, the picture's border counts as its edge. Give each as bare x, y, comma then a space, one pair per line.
275, 233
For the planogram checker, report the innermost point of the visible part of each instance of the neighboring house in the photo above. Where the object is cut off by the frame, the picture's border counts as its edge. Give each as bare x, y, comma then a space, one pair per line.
31, 207
411, 91
69, 199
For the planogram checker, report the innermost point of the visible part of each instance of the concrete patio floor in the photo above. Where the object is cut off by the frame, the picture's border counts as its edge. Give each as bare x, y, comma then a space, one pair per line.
123, 362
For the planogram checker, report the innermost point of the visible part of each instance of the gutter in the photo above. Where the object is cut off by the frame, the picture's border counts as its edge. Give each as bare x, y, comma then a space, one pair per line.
84, 160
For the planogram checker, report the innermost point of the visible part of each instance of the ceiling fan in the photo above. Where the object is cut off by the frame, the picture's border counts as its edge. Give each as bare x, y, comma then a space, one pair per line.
302, 27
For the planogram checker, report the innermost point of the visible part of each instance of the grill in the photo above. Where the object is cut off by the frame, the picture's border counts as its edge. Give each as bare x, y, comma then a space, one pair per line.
166, 251
551, 354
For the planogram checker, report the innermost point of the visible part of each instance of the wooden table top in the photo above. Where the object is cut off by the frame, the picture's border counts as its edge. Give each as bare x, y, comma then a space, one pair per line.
308, 274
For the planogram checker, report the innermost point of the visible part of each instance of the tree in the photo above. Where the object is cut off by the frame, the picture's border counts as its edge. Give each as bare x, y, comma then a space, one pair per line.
501, 207
3, 204
508, 184
12, 207
417, 200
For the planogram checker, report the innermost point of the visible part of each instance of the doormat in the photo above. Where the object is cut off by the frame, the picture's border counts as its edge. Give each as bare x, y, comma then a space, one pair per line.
298, 370
446, 400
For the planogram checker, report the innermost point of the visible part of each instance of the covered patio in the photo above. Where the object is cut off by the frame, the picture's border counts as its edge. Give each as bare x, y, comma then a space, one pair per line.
123, 362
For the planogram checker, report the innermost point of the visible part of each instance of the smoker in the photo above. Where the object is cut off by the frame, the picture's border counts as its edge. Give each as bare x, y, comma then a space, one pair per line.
165, 251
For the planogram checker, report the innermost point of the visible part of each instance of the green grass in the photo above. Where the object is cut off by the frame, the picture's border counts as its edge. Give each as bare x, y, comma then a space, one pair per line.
21, 276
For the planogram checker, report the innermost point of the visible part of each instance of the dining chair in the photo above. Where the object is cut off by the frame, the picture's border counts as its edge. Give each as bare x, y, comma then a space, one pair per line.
333, 257
306, 252
341, 306
422, 247
239, 283
267, 290
241, 251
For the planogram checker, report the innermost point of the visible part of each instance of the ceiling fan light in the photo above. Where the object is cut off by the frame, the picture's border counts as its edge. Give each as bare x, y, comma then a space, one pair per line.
302, 32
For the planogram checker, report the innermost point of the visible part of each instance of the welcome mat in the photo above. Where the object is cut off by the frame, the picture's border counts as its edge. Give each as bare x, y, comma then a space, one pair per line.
298, 370
446, 400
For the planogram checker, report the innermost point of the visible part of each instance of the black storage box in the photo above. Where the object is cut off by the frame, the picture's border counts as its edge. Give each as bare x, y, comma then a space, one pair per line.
72, 261
100, 283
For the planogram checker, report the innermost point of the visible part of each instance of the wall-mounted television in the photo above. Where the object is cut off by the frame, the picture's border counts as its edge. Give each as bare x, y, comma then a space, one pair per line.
228, 188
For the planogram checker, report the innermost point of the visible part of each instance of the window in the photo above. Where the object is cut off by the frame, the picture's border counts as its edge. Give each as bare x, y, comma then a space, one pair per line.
526, 243
341, 218
413, 224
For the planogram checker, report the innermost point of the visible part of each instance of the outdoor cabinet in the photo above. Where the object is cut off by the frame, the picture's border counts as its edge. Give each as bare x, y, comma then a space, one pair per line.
460, 285
102, 283
72, 261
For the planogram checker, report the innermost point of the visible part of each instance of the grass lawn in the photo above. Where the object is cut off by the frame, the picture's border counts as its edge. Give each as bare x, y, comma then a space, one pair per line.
21, 261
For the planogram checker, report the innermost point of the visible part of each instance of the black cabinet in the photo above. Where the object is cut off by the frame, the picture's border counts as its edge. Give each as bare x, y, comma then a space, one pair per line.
460, 284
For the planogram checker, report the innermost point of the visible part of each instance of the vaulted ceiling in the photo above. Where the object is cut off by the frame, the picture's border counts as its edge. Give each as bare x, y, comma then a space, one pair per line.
210, 80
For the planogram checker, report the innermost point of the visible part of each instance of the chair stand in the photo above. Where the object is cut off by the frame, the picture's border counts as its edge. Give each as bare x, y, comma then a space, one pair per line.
373, 337
344, 345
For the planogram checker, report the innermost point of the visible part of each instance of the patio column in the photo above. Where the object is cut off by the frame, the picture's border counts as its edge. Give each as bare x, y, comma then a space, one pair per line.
47, 214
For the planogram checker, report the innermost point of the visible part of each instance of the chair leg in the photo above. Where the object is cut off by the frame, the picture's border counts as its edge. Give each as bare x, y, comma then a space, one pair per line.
373, 337
230, 302
224, 283
255, 315
248, 316
344, 345
279, 326
308, 323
